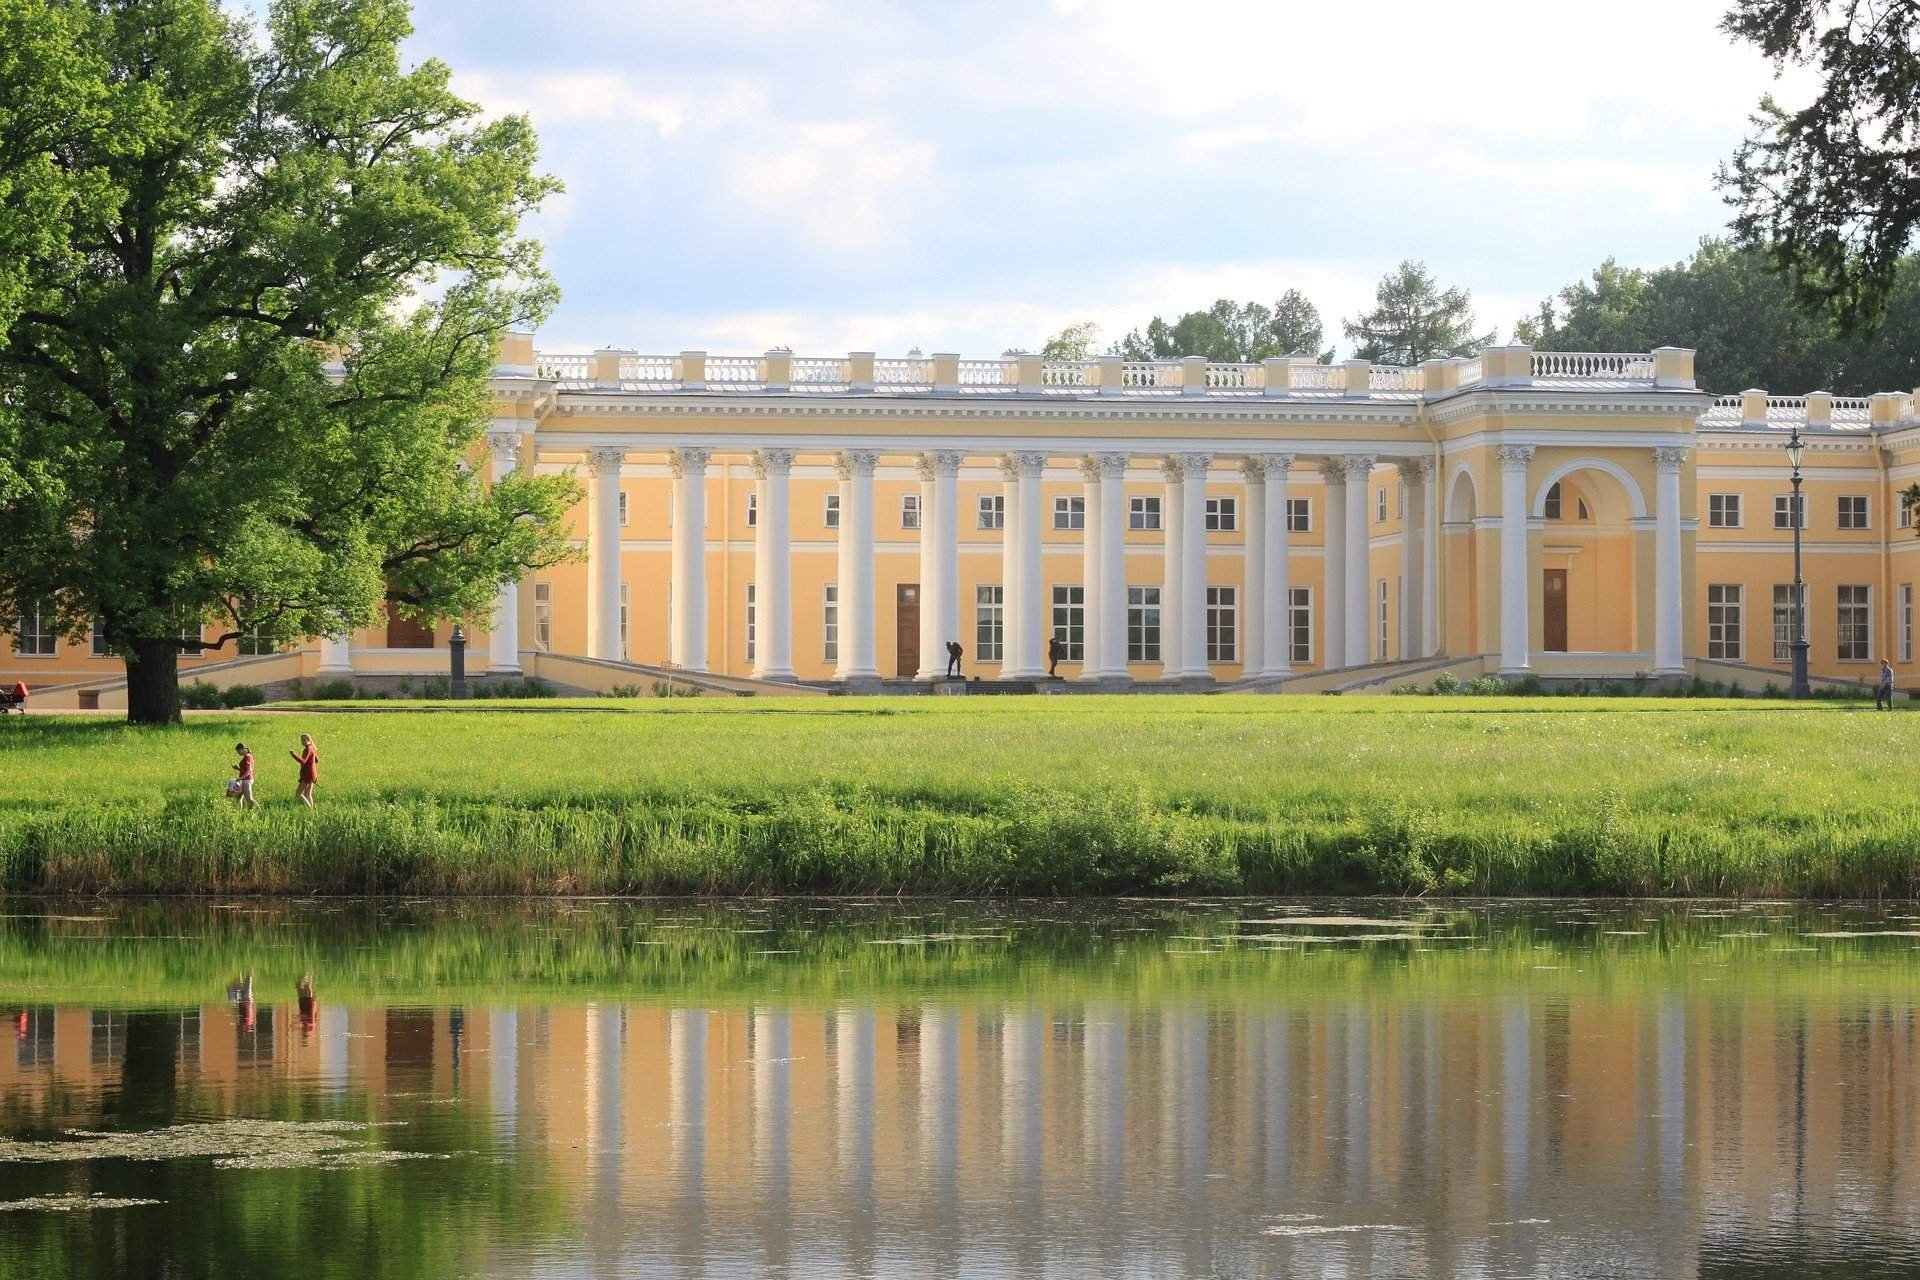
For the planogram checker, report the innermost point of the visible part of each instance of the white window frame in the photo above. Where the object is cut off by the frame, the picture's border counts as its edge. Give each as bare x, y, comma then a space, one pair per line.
1906, 622
750, 612
830, 622
990, 622
37, 640
1144, 513
909, 511
543, 616
1552, 505
1783, 515
1069, 513
1222, 515
1380, 505
1726, 621
830, 511
1724, 511
1069, 620
97, 640
1864, 627
1783, 622
1143, 623
1380, 610
1852, 511
992, 511
753, 509
622, 504
1223, 625
1300, 623
1299, 515
624, 614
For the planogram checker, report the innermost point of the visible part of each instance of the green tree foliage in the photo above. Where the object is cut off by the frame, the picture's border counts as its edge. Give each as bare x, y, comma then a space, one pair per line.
1730, 304
1075, 342
1827, 189
1413, 319
1230, 332
256, 315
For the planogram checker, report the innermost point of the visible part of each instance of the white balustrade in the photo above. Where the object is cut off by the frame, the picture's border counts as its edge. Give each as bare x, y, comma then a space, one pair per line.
1316, 377
914, 373
1070, 374
1150, 375
989, 375
813, 373
733, 371
649, 371
565, 368
1471, 372
1592, 364
1233, 377
1393, 377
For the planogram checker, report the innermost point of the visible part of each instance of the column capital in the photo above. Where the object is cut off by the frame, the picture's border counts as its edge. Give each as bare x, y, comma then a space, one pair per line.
1090, 469
1414, 471
1187, 465
1022, 466
1333, 470
1113, 466
1359, 466
1272, 463
1669, 459
939, 464
772, 462
506, 445
606, 461
856, 463
1514, 457
688, 462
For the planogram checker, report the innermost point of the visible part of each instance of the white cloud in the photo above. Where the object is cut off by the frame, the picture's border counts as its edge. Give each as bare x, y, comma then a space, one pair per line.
844, 186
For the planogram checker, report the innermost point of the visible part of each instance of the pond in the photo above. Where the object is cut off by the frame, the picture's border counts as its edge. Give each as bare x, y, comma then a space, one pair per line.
915, 1087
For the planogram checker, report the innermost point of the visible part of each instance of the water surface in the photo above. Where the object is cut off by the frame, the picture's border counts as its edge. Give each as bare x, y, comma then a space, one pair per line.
1222, 1088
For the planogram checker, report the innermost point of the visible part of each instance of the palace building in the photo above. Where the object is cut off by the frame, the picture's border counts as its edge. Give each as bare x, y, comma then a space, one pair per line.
754, 523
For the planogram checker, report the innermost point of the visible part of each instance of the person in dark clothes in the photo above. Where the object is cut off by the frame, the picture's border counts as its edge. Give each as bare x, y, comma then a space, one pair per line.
1056, 650
1883, 693
954, 654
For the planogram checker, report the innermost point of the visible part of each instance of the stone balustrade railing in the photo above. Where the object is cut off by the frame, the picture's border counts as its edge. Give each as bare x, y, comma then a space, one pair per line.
1816, 410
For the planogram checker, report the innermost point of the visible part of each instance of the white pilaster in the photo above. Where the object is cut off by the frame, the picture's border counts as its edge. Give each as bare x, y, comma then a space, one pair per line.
336, 656
1333, 565
1093, 660
856, 581
603, 553
1026, 645
689, 640
1276, 590
1515, 611
773, 566
1413, 557
1193, 566
939, 561
932, 658
1667, 656
1173, 563
503, 630
1253, 602
1112, 617
1358, 597
1430, 567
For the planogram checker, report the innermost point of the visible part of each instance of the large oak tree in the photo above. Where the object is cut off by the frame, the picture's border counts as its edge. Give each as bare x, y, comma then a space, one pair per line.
254, 277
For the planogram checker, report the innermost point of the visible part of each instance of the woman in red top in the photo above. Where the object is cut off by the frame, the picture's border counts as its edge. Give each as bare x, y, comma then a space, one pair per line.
309, 761
243, 774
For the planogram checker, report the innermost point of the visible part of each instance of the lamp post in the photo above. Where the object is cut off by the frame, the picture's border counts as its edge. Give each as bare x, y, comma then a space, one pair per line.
457, 650
1796, 449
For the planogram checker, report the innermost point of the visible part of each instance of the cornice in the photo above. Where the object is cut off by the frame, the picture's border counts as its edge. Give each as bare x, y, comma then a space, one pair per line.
1351, 413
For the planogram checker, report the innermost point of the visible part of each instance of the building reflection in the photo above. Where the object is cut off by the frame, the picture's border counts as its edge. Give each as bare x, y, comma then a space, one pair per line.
1481, 1135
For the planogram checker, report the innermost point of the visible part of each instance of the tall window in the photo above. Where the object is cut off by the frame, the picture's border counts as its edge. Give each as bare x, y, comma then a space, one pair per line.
1300, 624
1783, 514
1380, 505
1380, 618
623, 509
833, 511
1070, 621
1143, 513
1552, 505
623, 622
1854, 622
1905, 510
750, 621
250, 643
34, 636
1223, 624
910, 511
1723, 622
99, 640
989, 623
1223, 515
1783, 622
993, 511
830, 622
1143, 624
753, 509
543, 616
1300, 515
1069, 513
1853, 511
1906, 622
1723, 511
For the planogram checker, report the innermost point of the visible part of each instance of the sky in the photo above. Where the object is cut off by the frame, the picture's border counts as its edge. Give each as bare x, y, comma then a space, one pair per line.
974, 176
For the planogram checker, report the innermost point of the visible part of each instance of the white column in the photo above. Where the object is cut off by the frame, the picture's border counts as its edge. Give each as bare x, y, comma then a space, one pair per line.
1093, 660
1276, 623
503, 631
1193, 566
1514, 609
939, 561
772, 566
1333, 565
603, 553
1111, 620
689, 640
1027, 619
1667, 656
1430, 567
1359, 597
856, 580
1413, 558
336, 656
1253, 595
1172, 567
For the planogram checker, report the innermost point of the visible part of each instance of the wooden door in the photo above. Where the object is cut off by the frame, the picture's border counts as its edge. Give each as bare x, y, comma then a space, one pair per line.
906, 613
1553, 603
405, 633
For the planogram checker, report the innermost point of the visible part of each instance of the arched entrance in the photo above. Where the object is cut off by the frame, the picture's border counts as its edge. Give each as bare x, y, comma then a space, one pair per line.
1589, 512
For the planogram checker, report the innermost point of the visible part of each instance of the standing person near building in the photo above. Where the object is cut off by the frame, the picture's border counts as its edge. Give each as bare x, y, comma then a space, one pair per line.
1883, 695
954, 654
308, 758
1055, 651
243, 778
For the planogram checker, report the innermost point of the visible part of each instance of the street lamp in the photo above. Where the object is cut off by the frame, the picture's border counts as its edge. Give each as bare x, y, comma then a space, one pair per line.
1796, 449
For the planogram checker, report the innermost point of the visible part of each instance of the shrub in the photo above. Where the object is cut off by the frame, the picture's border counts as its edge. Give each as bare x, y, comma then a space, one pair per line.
200, 696
332, 691
627, 691
1530, 686
434, 687
1772, 690
243, 695
1735, 691
1446, 682
1410, 689
1487, 687
661, 689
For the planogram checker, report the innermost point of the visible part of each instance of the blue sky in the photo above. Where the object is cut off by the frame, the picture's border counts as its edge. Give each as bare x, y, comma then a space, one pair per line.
974, 176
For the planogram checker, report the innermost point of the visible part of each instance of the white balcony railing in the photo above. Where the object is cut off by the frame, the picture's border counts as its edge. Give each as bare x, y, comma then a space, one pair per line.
1233, 377
989, 375
1316, 377
1471, 371
733, 371
565, 368
648, 371
1070, 374
914, 373
1148, 375
1592, 364
811, 373
1394, 377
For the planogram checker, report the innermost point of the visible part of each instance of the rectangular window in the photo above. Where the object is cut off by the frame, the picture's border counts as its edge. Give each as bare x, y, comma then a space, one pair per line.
1143, 513
753, 509
1380, 617
1906, 622
832, 512
1400, 505
1550, 505
248, 645
1223, 624
1380, 505
1783, 622
1905, 509
99, 639
1783, 515
1069, 513
1723, 511
1070, 622
623, 509
623, 622
34, 636
909, 511
1223, 515
1854, 625
1723, 622
989, 623
993, 511
543, 616
1853, 511
830, 623
1300, 623
1143, 624
750, 620
1300, 515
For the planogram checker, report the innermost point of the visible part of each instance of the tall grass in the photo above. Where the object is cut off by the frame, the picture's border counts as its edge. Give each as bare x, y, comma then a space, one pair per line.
1050, 796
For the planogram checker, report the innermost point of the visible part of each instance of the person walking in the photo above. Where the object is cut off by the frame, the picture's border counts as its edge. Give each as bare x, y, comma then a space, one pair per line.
308, 758
1056, 650
954, 654
243, 778
1883, 695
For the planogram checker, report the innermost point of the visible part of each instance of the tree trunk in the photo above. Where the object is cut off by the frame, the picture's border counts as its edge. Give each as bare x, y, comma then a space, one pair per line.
153, 683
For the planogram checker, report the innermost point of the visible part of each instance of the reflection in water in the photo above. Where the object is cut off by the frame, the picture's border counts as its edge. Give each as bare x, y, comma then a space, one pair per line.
1119, 1091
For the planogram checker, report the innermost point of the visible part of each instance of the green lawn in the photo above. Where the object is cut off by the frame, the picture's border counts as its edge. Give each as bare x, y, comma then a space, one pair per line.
1079, 794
